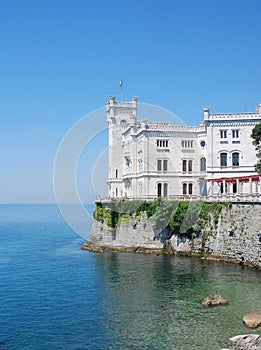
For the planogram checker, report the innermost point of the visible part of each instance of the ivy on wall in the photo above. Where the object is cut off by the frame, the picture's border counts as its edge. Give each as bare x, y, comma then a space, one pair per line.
180, 217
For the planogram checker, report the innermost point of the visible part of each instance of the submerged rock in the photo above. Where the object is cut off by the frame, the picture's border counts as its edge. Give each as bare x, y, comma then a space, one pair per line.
252, 319
214, 300
245, 342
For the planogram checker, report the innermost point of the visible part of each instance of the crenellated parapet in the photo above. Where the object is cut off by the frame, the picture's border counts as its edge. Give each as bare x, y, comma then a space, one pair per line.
234, 116
172, 127
116, 109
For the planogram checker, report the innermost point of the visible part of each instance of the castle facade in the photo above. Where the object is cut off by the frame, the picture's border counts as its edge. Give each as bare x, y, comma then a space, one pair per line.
149, 160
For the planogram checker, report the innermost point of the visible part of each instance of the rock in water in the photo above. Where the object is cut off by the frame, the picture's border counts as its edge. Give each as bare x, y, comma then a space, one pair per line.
252, 319
245, 342
180, 245
214, 300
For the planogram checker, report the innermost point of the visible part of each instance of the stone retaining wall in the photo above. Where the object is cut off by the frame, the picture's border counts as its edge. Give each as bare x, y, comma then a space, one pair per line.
237, 236
135, 233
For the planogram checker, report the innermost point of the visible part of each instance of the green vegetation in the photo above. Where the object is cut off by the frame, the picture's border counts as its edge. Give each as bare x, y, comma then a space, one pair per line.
180, 217
256, 135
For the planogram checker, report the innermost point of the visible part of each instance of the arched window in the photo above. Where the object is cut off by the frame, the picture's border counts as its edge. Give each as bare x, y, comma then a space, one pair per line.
223, 159
159, 189
184, 165
190, 166
165, 190
235, 159
123, 123
165, 165
203, 164
159, 164
190, 191
184, 188
116, 173
187, 165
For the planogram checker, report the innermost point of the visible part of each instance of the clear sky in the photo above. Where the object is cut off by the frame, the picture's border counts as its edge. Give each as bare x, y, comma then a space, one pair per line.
61, 59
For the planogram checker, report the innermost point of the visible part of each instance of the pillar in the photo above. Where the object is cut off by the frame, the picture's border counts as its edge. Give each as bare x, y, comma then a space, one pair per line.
238, 188
256, 188
224, 187
250, 187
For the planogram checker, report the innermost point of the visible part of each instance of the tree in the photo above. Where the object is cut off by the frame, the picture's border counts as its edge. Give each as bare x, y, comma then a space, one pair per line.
256, 135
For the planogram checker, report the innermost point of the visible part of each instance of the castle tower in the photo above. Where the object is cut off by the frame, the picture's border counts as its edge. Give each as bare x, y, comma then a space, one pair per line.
119, 116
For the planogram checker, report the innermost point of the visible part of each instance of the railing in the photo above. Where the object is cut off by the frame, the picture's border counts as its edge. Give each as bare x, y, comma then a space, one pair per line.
215, 198
171, 127
234, 116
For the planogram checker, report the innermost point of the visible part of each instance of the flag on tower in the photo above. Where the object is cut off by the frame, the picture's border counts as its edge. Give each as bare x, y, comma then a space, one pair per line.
121, 83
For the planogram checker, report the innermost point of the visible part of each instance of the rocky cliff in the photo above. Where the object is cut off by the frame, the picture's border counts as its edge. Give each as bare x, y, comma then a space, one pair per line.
138, 232
237, 235
233, 234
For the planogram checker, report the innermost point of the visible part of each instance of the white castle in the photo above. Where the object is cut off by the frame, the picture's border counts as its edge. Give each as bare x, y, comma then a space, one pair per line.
149, 160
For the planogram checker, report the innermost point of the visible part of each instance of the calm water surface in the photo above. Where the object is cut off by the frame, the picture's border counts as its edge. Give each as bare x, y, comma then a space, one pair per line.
55, 296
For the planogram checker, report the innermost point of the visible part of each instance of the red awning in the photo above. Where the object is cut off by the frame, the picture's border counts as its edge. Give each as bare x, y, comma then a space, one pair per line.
254, 178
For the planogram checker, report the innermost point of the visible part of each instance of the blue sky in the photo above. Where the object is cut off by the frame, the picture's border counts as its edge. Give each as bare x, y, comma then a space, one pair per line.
61, 59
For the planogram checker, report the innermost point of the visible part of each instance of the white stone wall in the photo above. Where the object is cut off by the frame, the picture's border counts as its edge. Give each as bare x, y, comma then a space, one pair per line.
119, 116
143, 152
135, 148
230, 133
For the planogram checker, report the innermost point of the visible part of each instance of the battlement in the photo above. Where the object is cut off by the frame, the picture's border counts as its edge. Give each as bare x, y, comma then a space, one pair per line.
122, 104
172, 127
232, 116
121, 110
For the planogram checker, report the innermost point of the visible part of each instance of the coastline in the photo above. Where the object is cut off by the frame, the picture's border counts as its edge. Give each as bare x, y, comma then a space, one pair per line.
111, 249
95, 248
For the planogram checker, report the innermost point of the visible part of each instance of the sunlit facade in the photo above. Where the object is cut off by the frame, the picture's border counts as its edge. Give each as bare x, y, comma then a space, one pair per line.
149, 160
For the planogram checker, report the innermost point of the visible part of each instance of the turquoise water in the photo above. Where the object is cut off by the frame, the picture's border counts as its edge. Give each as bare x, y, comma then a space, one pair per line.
55, 296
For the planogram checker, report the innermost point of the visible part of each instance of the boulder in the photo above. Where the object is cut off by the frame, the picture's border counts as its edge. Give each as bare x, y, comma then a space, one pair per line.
214, 300
245, 342
92, 247
252, 319
180, 245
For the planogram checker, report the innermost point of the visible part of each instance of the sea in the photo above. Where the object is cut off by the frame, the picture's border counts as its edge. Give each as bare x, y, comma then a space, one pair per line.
55, 296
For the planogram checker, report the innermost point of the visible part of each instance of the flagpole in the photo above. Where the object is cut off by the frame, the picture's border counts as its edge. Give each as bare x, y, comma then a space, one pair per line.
121, 86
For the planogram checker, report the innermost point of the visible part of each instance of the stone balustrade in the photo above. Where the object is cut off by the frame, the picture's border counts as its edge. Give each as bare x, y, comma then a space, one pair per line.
233, 116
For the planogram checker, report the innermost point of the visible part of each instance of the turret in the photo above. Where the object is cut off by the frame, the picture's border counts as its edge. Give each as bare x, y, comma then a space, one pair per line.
206, 112
258, 109
119, 116
122, 110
